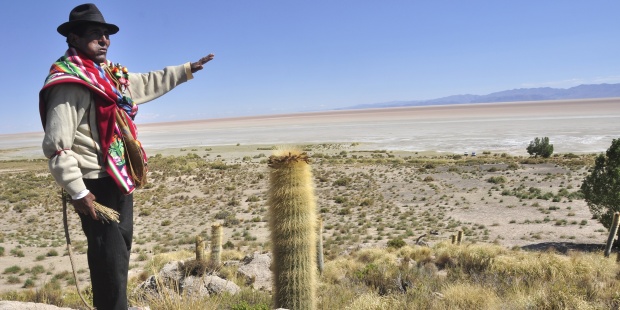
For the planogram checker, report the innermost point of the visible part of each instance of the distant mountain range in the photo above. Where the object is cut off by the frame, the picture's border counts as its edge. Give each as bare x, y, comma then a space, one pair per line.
521, 94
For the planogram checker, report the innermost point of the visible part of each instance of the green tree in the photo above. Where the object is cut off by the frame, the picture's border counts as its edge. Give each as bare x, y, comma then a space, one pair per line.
601, 189
540, 147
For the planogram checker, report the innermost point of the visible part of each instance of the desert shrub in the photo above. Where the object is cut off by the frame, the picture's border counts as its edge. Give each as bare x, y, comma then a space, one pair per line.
429, 179
342, 181
497, 179
231, 220
243, 305
1, 251
513, 166
17, 252
372, 301
12, 270
468, 296
396, 243
145, 212
13, 280
367, 202
344, 211
228, 245
252, 198
220, 215
52, 252
418, 254
36, 270
340, 199
29, 283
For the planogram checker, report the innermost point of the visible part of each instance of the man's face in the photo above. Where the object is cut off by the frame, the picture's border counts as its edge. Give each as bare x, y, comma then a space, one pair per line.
94, 42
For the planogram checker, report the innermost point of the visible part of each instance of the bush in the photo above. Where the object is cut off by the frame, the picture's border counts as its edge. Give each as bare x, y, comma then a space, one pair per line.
342, 182
243, 305
396, 243
13, 280
29, 283
497, 180
12, 270
540, 147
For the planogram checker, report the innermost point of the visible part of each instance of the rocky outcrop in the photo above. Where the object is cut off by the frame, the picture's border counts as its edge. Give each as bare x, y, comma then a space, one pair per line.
171, 280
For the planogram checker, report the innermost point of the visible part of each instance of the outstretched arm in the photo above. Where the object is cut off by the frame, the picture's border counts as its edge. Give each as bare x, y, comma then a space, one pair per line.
145, 87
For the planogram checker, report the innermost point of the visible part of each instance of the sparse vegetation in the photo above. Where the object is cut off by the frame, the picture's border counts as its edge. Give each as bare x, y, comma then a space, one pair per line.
378, 199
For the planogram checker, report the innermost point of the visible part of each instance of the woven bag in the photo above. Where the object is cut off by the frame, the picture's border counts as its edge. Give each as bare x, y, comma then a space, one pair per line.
134, 153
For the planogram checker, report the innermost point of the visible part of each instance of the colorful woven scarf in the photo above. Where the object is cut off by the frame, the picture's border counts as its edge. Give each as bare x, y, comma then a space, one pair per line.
74, 67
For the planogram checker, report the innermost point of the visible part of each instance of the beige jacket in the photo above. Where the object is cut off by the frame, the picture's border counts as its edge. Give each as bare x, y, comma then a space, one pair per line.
71, 126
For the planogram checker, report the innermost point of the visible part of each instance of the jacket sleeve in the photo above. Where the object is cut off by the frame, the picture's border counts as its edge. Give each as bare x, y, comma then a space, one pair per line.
145, 87
66, 104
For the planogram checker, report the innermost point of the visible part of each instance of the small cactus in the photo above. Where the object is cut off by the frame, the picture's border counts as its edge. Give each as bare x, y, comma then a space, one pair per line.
200, 249
216, 244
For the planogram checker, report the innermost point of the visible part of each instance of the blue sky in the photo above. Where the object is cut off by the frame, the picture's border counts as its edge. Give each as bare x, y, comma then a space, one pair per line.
294, 56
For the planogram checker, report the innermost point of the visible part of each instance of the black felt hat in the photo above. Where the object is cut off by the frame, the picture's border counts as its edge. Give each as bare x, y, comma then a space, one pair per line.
85, 14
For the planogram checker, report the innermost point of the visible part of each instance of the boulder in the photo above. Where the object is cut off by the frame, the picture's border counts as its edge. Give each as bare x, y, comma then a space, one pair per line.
217, 285
256, 270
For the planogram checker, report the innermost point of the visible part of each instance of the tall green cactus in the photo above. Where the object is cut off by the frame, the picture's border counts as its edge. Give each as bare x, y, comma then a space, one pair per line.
216, 244
292, 221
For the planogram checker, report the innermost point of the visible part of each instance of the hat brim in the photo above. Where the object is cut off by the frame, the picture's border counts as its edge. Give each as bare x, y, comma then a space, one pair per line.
66, 28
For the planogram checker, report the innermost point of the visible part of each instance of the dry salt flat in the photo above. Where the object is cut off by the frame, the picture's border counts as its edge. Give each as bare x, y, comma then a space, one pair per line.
577, 126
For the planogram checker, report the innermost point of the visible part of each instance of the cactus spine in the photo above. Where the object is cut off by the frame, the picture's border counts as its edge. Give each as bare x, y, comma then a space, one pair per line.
216, 244
292, 221
200, 249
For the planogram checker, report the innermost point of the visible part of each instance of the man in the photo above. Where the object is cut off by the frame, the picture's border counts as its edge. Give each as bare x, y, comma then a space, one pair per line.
79, 103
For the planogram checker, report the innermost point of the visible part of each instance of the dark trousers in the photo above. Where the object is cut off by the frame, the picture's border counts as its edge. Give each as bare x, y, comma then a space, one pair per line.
109, 245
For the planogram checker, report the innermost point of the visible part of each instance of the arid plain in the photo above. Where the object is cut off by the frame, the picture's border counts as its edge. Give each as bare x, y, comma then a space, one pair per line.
380, 174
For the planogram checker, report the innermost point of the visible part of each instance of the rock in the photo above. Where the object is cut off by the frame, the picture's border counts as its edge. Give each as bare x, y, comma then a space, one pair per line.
194, 286
256, 271
18, 305
171, 273
217, 285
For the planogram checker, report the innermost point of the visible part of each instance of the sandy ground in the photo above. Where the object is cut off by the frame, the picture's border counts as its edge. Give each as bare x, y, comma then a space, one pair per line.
459, 198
